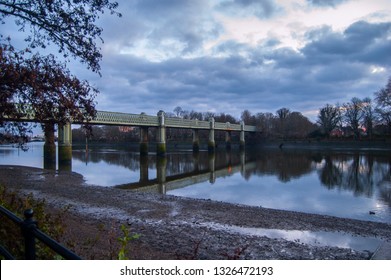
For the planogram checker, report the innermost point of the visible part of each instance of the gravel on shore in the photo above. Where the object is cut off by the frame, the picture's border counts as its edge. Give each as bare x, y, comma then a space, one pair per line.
181, 228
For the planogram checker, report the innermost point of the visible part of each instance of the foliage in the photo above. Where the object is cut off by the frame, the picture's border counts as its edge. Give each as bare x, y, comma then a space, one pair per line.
124, 242
33, 84
10, 233
69, 24
43, 88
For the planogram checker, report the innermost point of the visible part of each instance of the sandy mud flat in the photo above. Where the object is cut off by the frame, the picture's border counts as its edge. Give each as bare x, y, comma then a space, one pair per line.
180, 228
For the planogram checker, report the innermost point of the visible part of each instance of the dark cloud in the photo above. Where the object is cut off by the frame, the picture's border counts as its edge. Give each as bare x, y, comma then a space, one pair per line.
361, 41
332, 67
260, 9
326, 3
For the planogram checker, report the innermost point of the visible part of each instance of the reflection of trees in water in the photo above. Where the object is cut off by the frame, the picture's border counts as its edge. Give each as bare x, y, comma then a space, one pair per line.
356, 172
285, 165
384, 184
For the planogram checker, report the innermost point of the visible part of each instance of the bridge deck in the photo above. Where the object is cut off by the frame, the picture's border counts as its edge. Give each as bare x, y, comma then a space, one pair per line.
124, 119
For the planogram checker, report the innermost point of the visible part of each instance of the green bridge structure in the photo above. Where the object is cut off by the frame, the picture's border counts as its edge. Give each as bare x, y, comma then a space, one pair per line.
144, 122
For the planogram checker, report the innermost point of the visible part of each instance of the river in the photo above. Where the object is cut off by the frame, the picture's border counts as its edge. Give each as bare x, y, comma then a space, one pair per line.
351, 184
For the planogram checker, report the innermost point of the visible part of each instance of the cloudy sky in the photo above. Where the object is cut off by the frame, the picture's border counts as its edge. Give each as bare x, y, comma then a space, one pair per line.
232, 55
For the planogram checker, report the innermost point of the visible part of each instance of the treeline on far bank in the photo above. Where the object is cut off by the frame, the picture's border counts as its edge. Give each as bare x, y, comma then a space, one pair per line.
283, 125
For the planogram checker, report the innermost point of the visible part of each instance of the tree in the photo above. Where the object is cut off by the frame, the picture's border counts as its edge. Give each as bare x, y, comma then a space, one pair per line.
69, 24
298, 126
282, 115
353, 114
32, 83
369, 117
383, 96
248, 118
383, 100
328, 118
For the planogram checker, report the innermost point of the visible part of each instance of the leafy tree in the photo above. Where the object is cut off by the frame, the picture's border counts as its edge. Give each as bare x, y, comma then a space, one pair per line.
328, 118
32, 83
69, 24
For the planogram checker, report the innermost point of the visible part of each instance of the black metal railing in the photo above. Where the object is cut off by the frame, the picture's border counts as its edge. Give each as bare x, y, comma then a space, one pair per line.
30, 233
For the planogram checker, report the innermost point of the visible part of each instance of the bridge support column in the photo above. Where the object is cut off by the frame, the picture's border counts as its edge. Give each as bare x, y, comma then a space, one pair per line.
161, 134
228, 140
65, 147
211, 142
143, 140
242, 136
212, 168
196, 141
49, 148
161, 165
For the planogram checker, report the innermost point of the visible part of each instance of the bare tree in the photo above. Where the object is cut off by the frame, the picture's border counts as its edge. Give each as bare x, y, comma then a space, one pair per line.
369, 118
383, 100
354, 114
328, 118
282, 115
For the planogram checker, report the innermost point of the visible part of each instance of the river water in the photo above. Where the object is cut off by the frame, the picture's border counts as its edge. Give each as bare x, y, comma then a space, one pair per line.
352, 184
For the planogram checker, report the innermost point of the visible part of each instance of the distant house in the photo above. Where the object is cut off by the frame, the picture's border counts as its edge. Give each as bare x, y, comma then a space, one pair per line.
125, 129
336, 133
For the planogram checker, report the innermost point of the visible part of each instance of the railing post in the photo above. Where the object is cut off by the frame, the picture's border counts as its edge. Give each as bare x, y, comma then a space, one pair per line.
28, 227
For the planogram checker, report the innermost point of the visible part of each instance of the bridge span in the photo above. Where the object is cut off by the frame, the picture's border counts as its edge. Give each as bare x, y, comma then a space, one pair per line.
144, 122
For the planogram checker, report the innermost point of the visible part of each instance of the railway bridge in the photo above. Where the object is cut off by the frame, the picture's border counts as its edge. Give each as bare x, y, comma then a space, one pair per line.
144, 122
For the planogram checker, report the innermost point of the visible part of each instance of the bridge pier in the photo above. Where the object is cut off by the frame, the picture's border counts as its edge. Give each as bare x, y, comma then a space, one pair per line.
143, 140
161, 134
161, 165
49, 148
211, 142
228, 140
196, 141
242, 136
65, 147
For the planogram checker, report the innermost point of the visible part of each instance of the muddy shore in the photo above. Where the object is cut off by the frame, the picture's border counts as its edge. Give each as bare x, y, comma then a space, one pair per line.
179, 228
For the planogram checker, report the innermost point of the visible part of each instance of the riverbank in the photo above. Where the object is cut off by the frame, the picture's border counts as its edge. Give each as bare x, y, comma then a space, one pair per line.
180, 228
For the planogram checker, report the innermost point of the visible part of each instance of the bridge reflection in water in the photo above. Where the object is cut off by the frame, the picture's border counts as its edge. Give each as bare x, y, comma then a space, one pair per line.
172, 171
164, 183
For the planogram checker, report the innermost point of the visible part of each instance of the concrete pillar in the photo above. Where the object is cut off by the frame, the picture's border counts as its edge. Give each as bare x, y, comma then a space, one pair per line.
211, 142
196, 141
161, 165
212, 167
242, 136
49, 148
161, 134
143, 140
65, 147
228, 140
